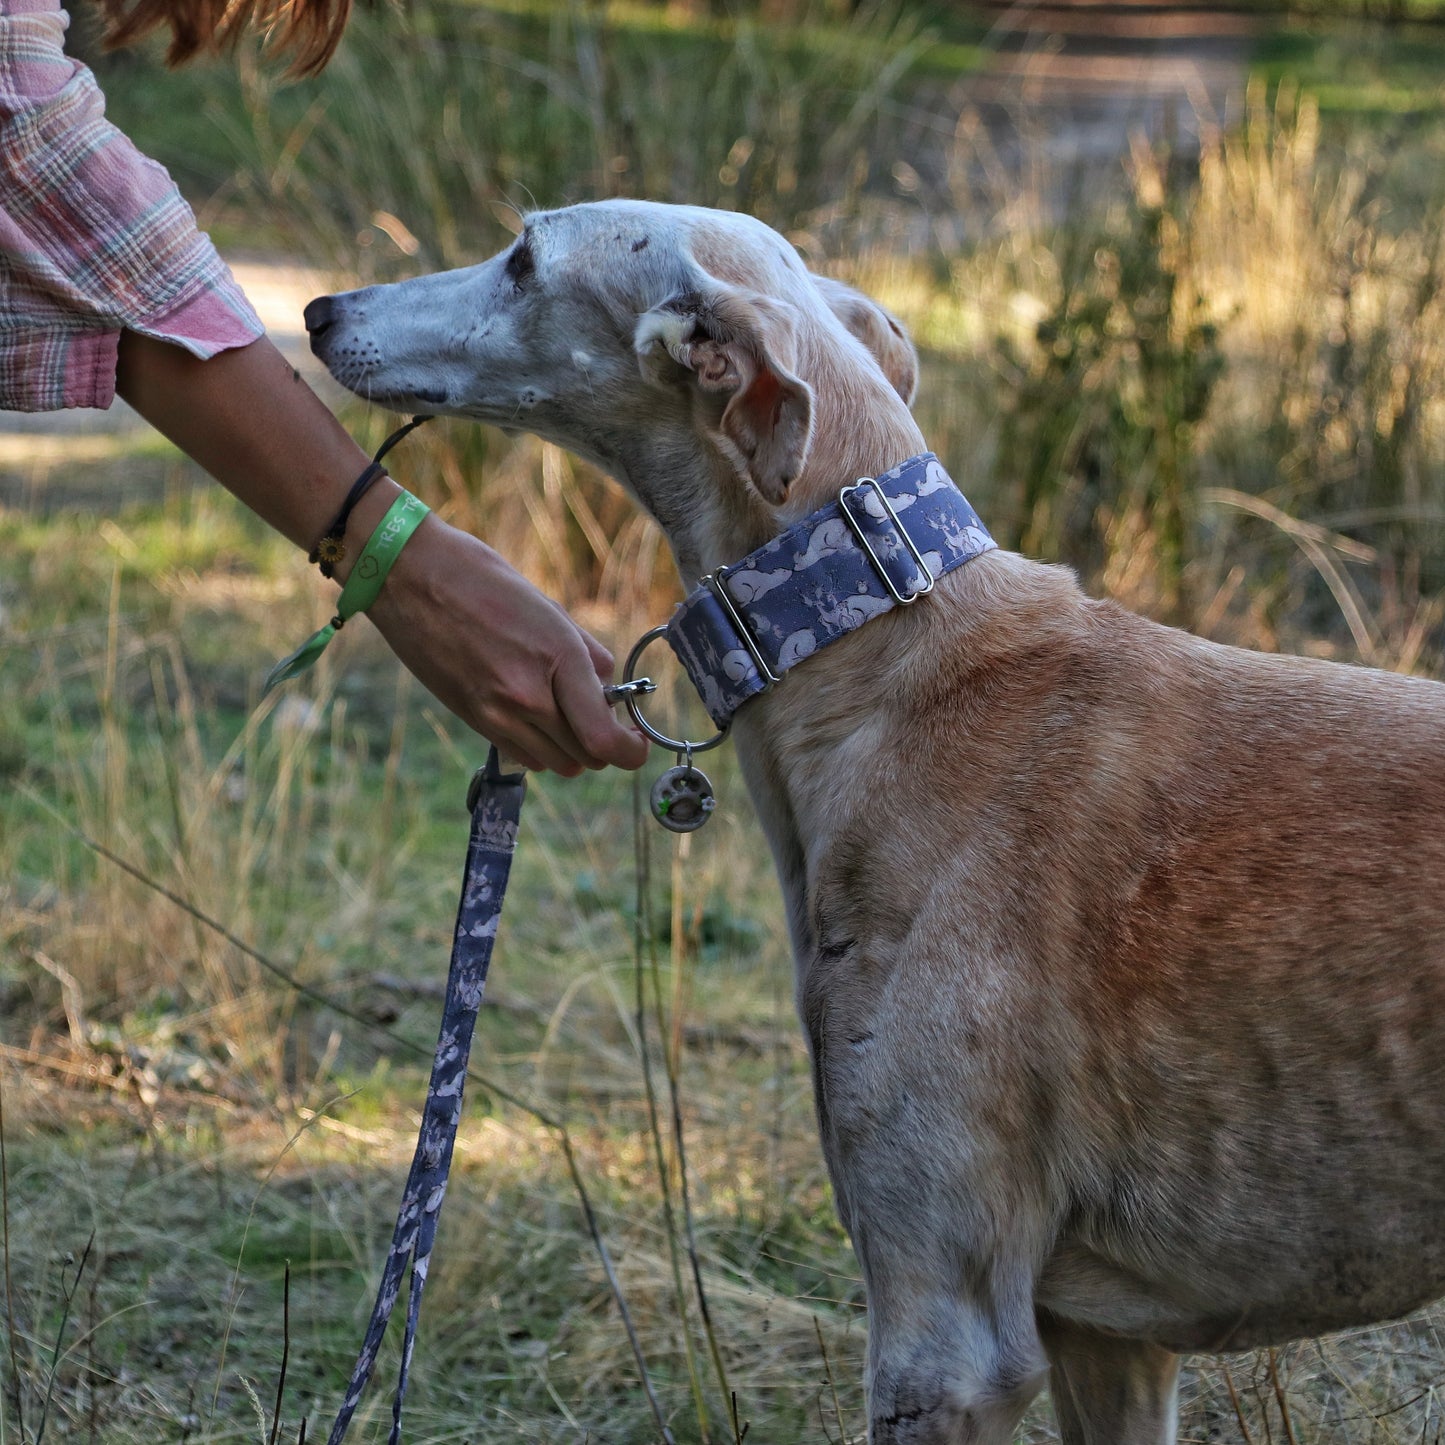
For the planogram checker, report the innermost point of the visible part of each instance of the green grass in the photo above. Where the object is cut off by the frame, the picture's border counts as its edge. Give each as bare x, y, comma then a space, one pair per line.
174, 1111
1360, 73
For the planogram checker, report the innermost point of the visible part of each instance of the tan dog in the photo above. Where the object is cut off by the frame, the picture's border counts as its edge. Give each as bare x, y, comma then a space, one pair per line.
1121, 954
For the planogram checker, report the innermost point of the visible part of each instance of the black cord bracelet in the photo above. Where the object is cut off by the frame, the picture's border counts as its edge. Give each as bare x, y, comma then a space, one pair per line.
331, 546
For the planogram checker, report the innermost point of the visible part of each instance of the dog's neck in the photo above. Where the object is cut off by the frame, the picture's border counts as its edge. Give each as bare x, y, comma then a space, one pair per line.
861, 427
823, 721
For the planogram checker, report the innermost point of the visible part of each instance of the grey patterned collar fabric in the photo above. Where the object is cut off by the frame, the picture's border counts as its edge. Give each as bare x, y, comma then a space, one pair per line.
882, 544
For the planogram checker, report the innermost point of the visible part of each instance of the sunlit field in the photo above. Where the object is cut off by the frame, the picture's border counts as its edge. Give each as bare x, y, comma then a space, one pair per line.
1215, 390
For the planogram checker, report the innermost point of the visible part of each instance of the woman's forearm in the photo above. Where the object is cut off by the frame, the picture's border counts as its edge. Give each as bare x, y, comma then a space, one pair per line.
509, 662
253, 423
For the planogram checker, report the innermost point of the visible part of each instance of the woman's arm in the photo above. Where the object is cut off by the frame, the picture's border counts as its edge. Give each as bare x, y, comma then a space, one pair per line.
508, 661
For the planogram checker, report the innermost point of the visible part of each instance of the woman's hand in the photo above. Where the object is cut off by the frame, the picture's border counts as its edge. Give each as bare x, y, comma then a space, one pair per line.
505, 659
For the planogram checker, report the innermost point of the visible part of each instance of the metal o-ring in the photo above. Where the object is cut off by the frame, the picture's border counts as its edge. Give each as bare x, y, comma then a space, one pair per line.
675, 745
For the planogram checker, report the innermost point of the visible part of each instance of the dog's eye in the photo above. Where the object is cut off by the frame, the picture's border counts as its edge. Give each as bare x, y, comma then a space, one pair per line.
521, 264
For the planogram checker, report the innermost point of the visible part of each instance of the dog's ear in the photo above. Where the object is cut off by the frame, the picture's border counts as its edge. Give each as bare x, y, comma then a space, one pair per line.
740, 348
879, 330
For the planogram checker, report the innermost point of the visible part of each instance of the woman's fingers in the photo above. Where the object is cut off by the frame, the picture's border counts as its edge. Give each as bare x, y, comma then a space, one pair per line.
601, 737
508, 661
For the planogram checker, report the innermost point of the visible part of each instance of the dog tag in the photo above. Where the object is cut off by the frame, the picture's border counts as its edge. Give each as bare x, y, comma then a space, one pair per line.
682, 799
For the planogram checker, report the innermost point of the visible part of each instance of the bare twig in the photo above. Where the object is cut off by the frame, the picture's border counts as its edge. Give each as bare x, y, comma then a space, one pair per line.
70, 996
1315, 543
644, 946
93, 1324
60, 1339
1258, 1385
9, 1288
234, 1294
672, 1065
606, 1258
691, 1235
739, 1435
285, 1353
1279, 1397
832, 1384
1234, 1400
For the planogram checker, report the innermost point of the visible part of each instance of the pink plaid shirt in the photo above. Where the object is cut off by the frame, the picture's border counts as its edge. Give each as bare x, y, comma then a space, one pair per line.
94, 238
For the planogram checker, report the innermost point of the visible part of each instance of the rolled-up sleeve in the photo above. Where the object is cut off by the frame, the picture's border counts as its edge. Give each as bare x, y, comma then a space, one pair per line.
94, 237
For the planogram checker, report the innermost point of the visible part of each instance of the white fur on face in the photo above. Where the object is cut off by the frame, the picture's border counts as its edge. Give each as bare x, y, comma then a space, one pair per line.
526, 339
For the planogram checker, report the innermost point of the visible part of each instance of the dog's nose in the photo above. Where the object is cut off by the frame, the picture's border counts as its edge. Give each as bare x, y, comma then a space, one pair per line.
318, 316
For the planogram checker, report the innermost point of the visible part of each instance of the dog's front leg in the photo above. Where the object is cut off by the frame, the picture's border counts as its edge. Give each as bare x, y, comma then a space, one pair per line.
953, 1359
945, 1241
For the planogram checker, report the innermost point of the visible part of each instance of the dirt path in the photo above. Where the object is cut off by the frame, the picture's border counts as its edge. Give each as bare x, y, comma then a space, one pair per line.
1071, 81
1085, 74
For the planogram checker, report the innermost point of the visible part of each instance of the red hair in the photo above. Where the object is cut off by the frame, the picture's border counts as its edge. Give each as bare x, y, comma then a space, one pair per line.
309, 29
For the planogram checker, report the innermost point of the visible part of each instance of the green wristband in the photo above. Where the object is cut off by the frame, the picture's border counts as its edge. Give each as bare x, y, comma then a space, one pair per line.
363, 585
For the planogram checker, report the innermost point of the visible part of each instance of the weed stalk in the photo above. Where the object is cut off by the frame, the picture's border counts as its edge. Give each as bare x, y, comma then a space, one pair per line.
16, 1380
60, 1339
645, 944
285, 1354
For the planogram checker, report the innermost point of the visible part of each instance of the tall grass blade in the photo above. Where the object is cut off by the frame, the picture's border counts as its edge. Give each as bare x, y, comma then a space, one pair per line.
16, 1379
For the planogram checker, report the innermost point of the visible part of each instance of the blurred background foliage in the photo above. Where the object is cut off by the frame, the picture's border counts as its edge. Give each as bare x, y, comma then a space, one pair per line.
1096, 324
1176, 284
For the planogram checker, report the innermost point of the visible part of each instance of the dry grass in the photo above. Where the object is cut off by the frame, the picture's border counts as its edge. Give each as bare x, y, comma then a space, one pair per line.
1219, 400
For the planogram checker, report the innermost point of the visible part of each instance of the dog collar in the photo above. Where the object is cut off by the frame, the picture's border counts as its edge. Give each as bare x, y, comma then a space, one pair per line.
744, 626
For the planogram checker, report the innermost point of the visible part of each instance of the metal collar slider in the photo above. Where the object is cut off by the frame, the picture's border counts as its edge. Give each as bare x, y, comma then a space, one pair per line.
745, 626
716, 583
855, 523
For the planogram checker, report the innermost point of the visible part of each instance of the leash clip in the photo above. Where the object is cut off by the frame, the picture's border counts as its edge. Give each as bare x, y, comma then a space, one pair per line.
490, 772
616, 692
630, 688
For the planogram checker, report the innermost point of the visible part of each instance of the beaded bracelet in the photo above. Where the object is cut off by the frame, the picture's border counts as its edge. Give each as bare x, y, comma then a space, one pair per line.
362, 587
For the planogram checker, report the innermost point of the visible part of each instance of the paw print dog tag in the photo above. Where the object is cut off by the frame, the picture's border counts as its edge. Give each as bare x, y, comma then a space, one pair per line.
682, 799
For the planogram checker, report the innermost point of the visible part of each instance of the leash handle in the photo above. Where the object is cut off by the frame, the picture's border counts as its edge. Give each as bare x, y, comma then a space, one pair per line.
495, 802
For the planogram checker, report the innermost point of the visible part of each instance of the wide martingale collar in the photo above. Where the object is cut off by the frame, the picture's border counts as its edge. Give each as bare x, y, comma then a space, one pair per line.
881, 545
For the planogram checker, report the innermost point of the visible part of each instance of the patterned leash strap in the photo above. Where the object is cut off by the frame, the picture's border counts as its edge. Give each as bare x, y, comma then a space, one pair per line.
495, 801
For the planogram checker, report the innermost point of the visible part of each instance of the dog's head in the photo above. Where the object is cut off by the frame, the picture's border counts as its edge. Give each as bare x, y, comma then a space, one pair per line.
625, 330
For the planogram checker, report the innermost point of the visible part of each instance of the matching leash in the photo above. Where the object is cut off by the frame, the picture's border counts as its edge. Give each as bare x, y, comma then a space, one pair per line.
495, 803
